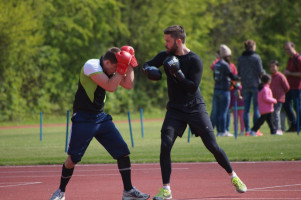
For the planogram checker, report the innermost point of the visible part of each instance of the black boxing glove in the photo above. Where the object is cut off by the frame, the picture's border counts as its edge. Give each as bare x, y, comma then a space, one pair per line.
152, 73
173, 65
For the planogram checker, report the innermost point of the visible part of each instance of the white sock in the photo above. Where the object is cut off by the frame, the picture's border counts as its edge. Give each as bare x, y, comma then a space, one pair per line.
167, 187
233, 175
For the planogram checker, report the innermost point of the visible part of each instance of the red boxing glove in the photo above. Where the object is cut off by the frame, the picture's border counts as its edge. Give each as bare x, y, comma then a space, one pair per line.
123, 60
132, 52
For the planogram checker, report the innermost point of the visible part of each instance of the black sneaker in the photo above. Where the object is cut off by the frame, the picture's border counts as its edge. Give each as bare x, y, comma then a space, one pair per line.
292, 129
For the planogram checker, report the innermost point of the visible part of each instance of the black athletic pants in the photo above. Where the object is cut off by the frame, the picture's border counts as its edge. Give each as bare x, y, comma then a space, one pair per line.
174, 125
270, 120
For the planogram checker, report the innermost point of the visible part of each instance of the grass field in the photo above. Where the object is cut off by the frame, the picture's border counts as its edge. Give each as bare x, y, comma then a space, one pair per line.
22, 146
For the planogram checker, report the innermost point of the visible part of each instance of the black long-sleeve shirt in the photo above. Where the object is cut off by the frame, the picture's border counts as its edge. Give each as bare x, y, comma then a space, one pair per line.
185, 95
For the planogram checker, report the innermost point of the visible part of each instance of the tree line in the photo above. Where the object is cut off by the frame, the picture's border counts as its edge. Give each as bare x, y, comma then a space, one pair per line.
44, 44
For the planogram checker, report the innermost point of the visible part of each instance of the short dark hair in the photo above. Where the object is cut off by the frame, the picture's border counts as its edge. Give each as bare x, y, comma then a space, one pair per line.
110, 55
275, 62
249, 44
176, 32
265, 78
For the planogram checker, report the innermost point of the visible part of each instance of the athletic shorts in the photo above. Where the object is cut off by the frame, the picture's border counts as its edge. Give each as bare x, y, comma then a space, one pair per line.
85, 126
199, 122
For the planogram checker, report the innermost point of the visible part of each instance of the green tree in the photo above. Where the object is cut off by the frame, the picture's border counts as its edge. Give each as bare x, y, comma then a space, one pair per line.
43, 45
269, 22
19, 42
146, 21
280, 23
80, 31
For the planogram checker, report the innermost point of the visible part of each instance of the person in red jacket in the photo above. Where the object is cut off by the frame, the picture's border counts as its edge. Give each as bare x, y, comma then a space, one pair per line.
279, 87
293, 75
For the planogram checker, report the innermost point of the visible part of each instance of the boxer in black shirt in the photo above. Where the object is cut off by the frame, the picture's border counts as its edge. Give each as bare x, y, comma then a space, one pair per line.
183, 69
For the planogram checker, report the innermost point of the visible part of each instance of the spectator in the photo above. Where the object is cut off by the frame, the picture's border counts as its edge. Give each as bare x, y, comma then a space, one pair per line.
222, 77
250, 70
236, 94
217, 58
293, 75
279, 87
283, 119
266, 108
213, 109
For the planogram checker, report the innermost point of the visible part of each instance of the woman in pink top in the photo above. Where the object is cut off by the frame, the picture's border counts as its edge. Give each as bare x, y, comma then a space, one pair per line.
279, 87
266, 106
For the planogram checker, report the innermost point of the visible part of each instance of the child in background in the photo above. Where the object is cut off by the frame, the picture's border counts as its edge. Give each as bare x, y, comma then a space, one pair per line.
266, 106
236, 94
279, 87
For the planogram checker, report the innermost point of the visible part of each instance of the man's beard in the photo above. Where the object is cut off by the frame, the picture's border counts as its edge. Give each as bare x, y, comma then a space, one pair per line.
173, 49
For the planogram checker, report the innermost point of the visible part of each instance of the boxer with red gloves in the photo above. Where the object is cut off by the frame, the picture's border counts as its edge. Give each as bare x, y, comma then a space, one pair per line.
132, 52
89, 120
124, 59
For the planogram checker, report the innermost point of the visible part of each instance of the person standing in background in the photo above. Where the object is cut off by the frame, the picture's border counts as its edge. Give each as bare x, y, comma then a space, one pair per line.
213, 109
279, 87
250, 70
293, 75
213, 105
222, 78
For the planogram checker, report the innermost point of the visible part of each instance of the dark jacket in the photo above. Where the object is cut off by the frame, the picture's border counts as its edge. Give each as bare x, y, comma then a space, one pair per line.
223, 75
250, 69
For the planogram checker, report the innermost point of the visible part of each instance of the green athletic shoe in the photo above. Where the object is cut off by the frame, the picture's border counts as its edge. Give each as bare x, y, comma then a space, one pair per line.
163, 194
240, 186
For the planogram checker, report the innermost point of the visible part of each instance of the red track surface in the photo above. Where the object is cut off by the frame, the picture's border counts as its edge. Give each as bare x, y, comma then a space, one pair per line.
190, 181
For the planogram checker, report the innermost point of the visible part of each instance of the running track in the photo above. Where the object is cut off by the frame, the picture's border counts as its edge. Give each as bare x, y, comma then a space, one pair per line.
190, 181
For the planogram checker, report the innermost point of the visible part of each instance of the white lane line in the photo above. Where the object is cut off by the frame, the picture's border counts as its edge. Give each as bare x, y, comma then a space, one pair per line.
58, 175
150, 164
79, 170
242, 198
82, 170
18, 184
278, 190
272, 187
